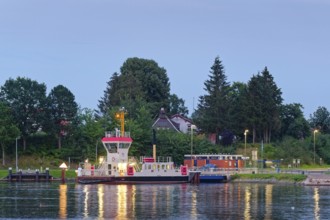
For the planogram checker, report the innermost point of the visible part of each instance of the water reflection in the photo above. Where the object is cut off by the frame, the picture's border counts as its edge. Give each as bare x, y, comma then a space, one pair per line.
269, 201
122, 201
204, 201
316, 204
247, 209
194, 204
100, 195
63, 188
86, 195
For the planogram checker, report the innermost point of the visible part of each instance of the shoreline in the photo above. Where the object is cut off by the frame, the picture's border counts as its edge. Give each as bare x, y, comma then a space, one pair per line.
317, 179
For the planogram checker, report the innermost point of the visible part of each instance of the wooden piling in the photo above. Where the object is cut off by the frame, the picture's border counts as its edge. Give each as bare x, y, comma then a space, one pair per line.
37, 175
20, 176
10, 174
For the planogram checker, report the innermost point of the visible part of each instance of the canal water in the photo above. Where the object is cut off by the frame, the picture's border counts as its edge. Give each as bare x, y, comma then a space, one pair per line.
179, 201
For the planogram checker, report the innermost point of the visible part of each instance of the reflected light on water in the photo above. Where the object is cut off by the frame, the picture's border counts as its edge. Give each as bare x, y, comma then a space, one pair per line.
194, 204
100, 195
63, 188
86, 193
247, 209
316, 205
122, 201
132, 196
269, 199
175, 201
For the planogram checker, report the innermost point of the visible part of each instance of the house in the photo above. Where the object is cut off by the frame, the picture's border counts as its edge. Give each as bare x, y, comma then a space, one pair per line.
164, 122
176, 122
184, 123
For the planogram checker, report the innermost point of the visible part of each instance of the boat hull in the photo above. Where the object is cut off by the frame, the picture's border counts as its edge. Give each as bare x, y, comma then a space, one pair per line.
133, 179
213, 178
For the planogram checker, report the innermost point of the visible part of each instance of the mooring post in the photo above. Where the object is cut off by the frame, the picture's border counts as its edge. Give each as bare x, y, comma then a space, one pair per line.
20, 175
37, 175
10, 170
63, 166
47, 174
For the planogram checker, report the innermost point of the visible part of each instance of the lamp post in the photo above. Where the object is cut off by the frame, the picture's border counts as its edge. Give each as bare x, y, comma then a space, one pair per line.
192, 127
245, 134
315, 131
16, 156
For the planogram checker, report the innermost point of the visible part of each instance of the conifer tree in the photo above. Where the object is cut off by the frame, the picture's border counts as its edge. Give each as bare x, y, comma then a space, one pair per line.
212, 114
265, 101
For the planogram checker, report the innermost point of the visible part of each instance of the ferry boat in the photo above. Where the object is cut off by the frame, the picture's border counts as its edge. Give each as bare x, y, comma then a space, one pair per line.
119, 168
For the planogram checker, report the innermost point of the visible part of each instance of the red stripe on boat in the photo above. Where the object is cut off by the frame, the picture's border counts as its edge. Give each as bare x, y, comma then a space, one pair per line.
116, 139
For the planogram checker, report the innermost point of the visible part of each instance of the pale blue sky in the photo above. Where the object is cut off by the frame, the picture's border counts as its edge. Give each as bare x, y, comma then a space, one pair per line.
81, 43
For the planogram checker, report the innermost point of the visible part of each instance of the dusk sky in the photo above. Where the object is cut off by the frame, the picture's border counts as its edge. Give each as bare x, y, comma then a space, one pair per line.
81, 43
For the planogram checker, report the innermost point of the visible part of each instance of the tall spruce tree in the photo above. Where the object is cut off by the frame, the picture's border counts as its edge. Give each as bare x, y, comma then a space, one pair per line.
212, 114
265, 101
238, 108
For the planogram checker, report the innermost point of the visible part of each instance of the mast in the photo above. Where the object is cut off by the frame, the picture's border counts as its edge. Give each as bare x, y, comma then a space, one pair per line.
121, 117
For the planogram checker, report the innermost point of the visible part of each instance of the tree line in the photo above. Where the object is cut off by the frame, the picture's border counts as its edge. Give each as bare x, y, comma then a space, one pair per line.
54, 125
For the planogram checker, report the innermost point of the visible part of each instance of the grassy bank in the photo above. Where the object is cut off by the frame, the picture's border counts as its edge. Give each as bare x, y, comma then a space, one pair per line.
268, 177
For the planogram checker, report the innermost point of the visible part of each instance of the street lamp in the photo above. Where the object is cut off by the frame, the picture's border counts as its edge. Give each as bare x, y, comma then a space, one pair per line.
315, 131
192, 127
245, 134
16, 155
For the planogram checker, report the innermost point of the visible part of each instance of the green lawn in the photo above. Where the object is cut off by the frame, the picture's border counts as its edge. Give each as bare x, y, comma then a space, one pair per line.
276, 176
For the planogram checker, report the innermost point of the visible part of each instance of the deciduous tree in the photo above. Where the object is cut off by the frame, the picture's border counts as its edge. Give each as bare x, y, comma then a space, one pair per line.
138, 79
177, 106
320, 119
62, 112
293, 122
27, 99
8, 129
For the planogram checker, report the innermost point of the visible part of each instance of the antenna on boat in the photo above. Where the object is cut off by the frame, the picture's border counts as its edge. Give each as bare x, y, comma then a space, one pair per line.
154, 144
121, 116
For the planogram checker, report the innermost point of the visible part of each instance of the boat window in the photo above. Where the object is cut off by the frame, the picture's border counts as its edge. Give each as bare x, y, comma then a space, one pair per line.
124, 145
154, 167
163, 166
149, 167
